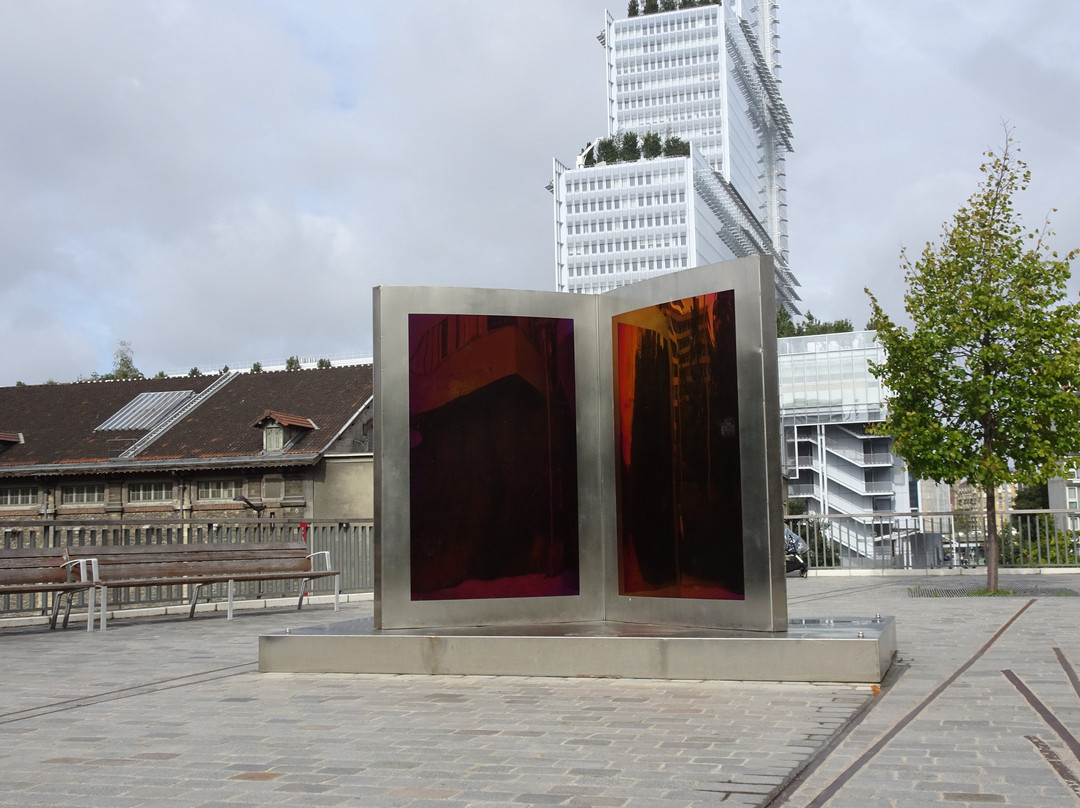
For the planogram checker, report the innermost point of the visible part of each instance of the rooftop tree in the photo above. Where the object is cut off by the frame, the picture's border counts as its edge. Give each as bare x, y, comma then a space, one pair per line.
607, 150
811, 326
124, 362
651, 145
123, 365
983, 386
676, 147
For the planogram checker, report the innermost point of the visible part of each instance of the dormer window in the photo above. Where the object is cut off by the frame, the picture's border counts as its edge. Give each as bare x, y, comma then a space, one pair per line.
10, 439
281, 430
273, 437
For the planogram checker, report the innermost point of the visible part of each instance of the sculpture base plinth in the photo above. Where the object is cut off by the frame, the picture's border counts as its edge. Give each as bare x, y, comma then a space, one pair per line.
841, 649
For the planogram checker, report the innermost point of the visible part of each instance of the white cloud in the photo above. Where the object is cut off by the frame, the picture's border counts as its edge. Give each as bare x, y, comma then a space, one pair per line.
226, 181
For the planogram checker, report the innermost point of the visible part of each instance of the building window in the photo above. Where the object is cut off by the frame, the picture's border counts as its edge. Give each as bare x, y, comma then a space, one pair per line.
273, 437
150, 492
218, 489
80, 494
18, 496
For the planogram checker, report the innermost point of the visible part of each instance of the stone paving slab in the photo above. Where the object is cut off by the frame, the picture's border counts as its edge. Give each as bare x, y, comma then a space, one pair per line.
165, 710
970, 743
162, 711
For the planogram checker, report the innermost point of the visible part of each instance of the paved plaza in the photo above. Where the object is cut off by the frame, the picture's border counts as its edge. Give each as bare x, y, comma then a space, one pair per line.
980, 709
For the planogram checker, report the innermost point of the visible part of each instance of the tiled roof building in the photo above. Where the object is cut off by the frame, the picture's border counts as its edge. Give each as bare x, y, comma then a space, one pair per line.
287, 443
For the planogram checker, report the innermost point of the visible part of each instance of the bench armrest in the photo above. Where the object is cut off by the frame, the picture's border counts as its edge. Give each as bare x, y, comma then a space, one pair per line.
326, 560
82, 562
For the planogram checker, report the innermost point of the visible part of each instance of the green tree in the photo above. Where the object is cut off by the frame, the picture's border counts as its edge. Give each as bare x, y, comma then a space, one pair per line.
811, 326
256, 367
194, 372
160, 375
651, 146
651, 7
676, 147
224, 370
1029, 531
668, 5
629, 147
632, 8
292, 363
322, 363
123, 365
785, 326
607, 150
1031, 498
124, 362
983, 386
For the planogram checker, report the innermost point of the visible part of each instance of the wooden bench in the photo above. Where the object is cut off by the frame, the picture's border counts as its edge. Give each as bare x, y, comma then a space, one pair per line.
48, 569
197, 565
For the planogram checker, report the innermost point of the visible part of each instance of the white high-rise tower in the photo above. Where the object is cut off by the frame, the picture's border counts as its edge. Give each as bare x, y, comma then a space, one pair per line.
698, 88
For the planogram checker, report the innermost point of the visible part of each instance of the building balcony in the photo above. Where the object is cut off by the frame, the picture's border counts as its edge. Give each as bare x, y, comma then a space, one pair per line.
857, 455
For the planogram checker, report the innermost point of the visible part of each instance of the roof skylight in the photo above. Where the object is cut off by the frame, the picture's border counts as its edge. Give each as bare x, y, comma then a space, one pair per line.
146, 410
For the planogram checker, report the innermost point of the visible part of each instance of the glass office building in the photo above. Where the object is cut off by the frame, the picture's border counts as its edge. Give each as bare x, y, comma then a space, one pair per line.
705, 75
828, 401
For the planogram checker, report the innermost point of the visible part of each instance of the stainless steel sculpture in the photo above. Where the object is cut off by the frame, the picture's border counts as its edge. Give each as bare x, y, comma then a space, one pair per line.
548, 458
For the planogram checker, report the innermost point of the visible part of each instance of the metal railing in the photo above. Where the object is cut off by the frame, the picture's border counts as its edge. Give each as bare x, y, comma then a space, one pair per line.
954, 539
350, 544
866, 541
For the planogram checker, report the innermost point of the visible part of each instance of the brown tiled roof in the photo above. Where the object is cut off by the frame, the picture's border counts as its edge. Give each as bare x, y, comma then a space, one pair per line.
221, 427
58, 421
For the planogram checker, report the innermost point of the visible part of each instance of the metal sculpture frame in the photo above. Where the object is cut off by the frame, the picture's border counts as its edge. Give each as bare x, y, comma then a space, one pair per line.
761, 604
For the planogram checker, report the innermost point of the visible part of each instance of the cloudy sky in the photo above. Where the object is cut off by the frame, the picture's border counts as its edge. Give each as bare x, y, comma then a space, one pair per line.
224, 181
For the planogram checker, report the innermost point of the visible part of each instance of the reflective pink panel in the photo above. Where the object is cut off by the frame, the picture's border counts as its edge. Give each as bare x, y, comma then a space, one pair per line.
493, 457
678, 481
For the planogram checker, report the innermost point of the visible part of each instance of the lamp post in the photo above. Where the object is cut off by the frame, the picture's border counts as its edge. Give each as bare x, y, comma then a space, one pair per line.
248, 503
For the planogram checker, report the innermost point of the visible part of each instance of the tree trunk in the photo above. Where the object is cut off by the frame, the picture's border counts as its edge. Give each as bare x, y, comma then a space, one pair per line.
991, 540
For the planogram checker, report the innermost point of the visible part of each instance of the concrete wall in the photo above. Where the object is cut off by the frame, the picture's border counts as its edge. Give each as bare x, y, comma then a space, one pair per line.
344, 488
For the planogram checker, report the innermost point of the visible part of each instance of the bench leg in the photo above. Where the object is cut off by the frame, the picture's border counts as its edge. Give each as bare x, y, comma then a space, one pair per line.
230, 588
303, 591
56, 608
90, 609
195, 599
337, 591
104, 616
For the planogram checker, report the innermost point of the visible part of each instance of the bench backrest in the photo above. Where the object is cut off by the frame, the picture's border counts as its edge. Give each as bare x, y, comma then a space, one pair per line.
35, 566
120, 562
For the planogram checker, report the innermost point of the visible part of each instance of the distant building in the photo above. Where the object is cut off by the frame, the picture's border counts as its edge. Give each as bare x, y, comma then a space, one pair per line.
292, 444
828, 398
967, 498
1064, 494
707, 76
